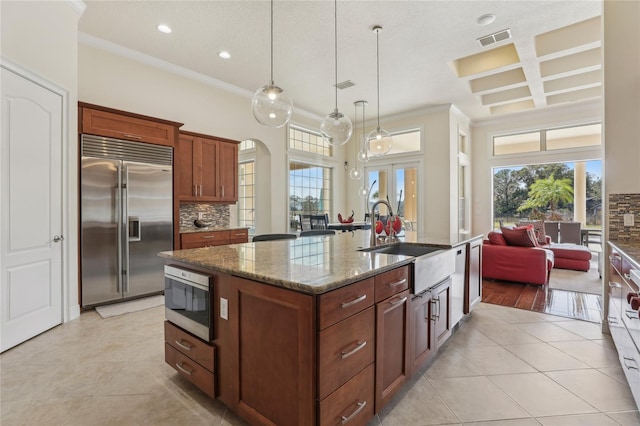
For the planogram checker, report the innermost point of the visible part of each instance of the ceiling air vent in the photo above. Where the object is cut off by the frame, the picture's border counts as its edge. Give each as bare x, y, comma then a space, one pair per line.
345, 84
495, 37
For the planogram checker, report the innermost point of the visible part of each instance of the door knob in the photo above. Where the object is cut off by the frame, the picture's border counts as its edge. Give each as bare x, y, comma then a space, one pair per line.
58, 238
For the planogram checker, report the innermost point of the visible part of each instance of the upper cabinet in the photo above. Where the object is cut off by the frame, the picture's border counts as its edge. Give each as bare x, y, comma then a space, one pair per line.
102, 121
206, 168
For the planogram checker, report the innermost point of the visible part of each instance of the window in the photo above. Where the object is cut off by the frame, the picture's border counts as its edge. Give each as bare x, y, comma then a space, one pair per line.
247, 145
246, 195
548, 140
310, 191
405, 141
308, 141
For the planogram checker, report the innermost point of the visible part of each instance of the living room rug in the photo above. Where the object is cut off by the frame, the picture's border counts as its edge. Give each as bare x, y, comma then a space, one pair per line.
579, 281
116, 309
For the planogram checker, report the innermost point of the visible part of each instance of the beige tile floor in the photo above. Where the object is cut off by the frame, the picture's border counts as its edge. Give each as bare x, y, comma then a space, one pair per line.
502, 366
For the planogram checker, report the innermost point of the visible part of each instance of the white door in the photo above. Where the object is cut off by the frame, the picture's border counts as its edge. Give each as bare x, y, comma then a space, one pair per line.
31, 209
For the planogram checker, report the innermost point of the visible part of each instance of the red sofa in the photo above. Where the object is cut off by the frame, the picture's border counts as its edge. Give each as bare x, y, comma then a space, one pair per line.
530, 265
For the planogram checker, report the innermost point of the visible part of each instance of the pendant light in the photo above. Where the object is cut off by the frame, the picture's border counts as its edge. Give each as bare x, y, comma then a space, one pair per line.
336, 127
363, 154
379, 140
271, 105
356, 171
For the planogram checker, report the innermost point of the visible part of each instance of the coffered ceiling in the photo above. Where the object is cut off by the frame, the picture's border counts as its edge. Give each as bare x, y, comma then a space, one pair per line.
429, 50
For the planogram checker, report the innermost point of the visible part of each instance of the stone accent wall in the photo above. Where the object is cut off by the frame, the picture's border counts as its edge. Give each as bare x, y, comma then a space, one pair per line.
619, 204
217, 214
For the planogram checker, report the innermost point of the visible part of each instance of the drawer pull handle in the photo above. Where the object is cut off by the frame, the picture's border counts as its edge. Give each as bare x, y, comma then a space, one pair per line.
397, 302
614, 285
184, 370
630, 367
360, 407
208, 237
129, 135
397, 283
627, 276
354, 301
186, 347
242, 234
631, 314
359, 345
612, 320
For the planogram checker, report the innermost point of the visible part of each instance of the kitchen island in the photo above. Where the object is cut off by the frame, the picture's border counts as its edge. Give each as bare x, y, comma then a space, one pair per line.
310, 331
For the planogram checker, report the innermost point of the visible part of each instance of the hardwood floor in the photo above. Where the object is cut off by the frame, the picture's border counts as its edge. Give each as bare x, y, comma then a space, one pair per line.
570, 304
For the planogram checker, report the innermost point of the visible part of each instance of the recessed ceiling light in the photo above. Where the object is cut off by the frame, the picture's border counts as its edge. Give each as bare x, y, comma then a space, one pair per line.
224, 54
486, 19
164, 28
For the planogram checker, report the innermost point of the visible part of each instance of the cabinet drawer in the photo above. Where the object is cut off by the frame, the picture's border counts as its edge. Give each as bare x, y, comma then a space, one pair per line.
204, 239
104, 123
339, 304
191, 346
352, 403
344, 349
238, 236
392, 282
191, 370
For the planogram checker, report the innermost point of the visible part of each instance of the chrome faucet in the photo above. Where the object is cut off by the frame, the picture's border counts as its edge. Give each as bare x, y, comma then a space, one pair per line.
373, 223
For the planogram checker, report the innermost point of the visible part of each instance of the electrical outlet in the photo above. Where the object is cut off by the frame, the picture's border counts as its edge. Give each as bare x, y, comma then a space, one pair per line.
628, 219
200, 215
224, 308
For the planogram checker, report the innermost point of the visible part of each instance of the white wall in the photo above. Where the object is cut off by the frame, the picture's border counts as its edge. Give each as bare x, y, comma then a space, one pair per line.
41, 36
115, 81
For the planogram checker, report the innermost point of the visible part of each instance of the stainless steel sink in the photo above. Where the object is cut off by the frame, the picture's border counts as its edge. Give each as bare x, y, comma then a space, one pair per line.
431, 265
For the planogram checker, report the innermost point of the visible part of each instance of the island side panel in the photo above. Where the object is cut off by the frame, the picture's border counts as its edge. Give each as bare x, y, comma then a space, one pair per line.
273, 354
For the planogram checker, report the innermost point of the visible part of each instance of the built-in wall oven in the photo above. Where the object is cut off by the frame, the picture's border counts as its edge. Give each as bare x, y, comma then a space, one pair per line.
187, 301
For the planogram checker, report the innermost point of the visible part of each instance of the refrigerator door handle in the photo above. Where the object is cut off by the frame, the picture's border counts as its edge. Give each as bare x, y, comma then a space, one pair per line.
125, 225
118, 193
134, 229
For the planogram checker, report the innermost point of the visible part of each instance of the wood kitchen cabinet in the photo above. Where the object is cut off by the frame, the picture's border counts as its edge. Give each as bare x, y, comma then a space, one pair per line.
191, 240
206, 168
421, 330
441, 312
392, 334
102, 121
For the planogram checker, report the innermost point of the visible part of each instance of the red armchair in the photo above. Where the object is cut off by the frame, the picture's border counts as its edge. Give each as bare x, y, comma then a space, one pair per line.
530, 265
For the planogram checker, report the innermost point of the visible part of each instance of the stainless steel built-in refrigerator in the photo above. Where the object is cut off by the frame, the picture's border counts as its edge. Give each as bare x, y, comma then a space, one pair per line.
126, 214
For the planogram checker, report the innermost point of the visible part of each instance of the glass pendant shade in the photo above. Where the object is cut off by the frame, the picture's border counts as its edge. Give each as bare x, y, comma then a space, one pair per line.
336, 128
271, 106
379, 142
355, 173
363, 191
363, 155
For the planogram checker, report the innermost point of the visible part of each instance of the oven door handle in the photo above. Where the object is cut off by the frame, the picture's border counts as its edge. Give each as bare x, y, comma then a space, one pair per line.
187, 282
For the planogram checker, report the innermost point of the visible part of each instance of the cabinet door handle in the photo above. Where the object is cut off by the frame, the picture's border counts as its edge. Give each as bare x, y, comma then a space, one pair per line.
354, 301
222, 190
436, 316
186, 347
129, 135
359, 345
630, 367
184, 370
360, 407
614, 285
397, 283
399, 301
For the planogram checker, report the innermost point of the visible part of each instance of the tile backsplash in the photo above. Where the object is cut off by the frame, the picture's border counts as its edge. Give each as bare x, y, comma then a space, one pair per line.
619, 205
217, 214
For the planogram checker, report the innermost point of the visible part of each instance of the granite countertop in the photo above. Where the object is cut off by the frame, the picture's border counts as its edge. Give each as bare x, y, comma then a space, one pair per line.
310, 265
629, 248
192, 229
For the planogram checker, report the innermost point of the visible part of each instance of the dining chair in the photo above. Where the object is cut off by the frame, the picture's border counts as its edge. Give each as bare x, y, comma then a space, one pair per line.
273, 237
305, 222
319, 221
569, 232
314, 232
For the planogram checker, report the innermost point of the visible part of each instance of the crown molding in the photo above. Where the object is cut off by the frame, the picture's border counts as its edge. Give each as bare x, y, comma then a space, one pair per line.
154, 62
78, 5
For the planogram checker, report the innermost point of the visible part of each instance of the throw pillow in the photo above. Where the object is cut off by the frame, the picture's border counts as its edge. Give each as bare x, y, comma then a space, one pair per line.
538, 227
520, 236
496, 238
